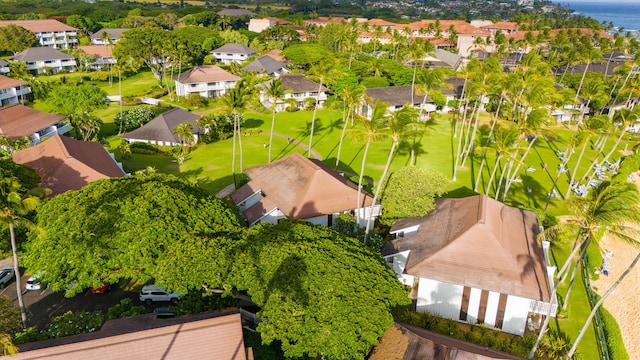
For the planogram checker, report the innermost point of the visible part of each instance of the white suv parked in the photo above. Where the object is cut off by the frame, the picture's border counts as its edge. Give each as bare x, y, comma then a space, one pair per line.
152, 293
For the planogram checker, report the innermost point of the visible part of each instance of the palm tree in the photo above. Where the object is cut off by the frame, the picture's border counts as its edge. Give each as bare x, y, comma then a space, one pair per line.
275, 92
370, 132
184, 132
235, 100
321, 70
505, 137
15, 205
397, 124
351, 98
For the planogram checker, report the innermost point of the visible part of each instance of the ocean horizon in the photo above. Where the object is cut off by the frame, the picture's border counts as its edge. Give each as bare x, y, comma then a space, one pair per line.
621, 14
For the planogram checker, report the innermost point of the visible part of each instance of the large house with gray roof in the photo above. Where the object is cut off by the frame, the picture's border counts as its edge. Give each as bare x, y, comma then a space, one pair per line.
477, 261
267, 65
45, 60
160, 130
4, 67
298, 89
106, 36
396, 97
232, 53
295, 187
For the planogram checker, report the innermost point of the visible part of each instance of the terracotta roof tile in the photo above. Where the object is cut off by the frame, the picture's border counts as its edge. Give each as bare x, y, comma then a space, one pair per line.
301, 188
36, 26
7, 82
18, 120
477, 242
68, 164
97, 50
205, 73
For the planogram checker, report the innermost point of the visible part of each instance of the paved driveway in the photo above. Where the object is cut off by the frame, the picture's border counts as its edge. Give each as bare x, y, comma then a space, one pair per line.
44, 304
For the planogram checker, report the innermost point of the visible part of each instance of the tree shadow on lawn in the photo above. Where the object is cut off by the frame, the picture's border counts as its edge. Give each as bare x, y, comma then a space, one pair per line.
535, 194
404, 149
252, 123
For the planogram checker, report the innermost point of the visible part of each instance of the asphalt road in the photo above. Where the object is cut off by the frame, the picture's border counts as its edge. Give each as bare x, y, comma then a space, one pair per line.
43, 304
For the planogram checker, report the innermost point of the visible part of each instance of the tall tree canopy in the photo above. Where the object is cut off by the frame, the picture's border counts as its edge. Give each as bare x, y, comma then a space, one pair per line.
120, 228
320, 291
76, 99
15, 38
410, 191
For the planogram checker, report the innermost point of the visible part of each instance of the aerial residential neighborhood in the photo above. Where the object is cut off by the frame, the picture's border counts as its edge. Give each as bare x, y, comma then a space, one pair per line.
372, 180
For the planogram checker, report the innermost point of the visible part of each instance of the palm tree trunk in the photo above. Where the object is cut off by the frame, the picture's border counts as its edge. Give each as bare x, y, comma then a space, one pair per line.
484, 154
313, 119
359, 205
379, 187
233, 152
598, 304
578, 246
515, 172
273, 122
240, 146
473, 139
16, 267
493, 174
344, 130
545, 323
459, 149
508, 172
573, 278
575, 170
604, 160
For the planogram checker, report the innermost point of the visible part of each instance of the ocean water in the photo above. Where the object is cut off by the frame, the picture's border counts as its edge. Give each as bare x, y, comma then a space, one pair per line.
622, 14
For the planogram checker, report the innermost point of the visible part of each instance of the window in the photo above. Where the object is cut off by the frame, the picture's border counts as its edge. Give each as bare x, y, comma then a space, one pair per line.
482, 311
502, 305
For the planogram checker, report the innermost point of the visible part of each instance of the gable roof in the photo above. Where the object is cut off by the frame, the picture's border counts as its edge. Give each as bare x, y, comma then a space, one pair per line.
68, 164
97, 50
37, 26
40, 53
18, 120
477, 242
395, 95
205, 73
7, 82
162, 126
3, 63
236, 12
234, 48
199, 336
113, 33
301, 188
502, 25
299, 83
265, 64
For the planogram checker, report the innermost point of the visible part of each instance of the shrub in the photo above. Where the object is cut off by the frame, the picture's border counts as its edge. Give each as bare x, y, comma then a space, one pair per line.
134, 118
124, 309
251, 131
615, 343
143, 148
28, 335
73, 323
309, 103
199, 301
99, 76
194, 100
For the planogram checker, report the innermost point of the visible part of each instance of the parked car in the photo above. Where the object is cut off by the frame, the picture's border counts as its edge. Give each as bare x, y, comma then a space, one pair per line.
152, 293
6, 275
164, 313
100, 290
33, 283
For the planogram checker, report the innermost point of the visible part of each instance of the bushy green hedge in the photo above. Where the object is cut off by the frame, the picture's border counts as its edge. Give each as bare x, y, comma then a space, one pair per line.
199, 301
483, 336
124, 309
69, 323
617, 350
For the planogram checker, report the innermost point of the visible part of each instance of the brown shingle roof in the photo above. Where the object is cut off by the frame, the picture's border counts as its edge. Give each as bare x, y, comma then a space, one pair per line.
299, 83
162, 126
205, 73
477, 242
36, 26
145, 337
97, 50
18, 120
68, 164
7, 82
301, 188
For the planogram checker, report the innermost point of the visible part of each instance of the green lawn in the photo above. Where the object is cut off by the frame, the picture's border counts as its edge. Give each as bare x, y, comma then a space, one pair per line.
209, 166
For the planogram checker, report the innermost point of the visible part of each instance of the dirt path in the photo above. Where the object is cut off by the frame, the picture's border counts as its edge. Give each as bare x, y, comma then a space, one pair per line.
623, 304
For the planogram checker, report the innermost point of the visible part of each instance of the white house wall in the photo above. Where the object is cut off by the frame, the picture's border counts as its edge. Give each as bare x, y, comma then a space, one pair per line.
271, 217
515, 315
319, 220
474, 305
492, 309
439, 298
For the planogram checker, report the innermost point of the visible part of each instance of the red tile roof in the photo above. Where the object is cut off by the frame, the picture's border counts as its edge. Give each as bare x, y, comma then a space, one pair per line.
502, 25
68, 164
7, 82
205, 73
97, 50
461, 27
18, 120
301, 188
178, 338
37, 26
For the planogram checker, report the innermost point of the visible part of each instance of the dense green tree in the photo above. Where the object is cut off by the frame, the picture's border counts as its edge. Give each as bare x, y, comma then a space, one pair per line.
76, 99
10, 322
304, 56
86, 24
122, 228
320, 292
410, 191
86, 125
134, 118
15, 38
184, 132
